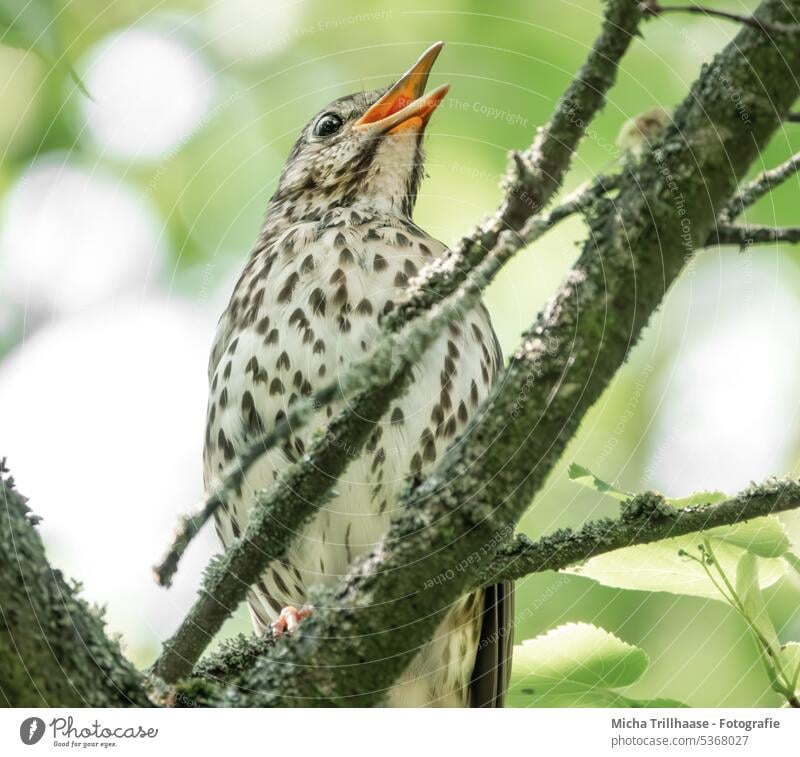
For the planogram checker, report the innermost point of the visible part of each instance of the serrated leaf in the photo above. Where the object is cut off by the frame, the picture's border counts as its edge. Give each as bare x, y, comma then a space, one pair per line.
580, 474
749, 593
765, 537
577, 665
790, 659
583, 476
659, 567
577, 654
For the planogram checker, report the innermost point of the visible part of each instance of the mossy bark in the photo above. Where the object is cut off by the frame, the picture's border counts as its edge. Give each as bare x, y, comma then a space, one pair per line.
53, 647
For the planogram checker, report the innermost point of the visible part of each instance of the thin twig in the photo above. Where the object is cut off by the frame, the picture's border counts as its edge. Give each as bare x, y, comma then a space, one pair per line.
653, 8
749, 193
745, 236
654, 521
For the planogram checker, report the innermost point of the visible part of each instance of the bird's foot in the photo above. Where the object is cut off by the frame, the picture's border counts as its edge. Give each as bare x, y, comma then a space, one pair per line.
289, 619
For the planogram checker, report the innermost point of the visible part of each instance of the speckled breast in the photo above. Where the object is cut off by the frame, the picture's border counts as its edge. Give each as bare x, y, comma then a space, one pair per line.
307, 305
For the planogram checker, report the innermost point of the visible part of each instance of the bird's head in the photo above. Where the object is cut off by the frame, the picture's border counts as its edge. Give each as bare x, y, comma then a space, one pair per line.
364, 149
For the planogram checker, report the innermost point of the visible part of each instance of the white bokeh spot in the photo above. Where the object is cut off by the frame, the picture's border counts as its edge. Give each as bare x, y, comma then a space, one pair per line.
729, 410
71, 238
255, 28
149, 93
105, 437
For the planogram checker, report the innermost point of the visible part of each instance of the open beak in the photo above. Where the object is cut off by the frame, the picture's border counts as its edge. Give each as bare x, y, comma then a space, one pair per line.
404, 108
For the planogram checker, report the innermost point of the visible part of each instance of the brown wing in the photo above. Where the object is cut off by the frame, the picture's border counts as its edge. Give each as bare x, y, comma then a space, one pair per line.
493, 663
492, 670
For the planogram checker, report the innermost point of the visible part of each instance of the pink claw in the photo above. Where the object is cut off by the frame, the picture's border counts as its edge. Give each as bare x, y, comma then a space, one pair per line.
289, 619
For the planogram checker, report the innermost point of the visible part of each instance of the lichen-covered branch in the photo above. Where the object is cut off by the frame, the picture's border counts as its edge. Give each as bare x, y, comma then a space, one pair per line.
754, 190
653, 8
53, 649
644, 519
744, 236
351, 649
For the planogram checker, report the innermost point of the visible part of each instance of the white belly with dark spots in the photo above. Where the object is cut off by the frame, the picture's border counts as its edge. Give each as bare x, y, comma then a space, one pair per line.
296, 327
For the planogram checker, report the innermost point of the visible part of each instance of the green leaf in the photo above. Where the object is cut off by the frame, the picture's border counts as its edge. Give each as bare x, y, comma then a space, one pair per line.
749, 593
585, 477
653, 703
33, 25
659, 567
577, 665
698, 498
572, 660
790, 659
793, 560
765, 537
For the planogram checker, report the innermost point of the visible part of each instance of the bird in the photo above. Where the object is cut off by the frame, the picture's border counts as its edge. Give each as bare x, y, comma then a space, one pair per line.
335, 254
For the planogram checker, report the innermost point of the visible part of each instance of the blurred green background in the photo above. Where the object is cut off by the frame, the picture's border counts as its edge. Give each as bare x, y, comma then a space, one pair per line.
126, 216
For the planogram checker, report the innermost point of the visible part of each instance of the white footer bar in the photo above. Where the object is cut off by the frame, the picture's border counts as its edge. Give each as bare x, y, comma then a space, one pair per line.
384, 733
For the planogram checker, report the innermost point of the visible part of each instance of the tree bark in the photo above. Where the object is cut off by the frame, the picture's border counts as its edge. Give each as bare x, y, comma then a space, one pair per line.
53, 649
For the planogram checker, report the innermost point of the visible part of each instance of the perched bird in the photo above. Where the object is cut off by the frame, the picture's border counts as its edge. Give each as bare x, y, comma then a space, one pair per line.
336, 251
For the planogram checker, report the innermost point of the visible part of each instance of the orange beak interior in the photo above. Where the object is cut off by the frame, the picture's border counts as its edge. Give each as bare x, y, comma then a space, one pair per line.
404, 107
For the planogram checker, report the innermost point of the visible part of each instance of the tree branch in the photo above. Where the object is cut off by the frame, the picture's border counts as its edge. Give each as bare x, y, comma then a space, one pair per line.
744, 236
754, 190
53, 649
653, 8
645, 519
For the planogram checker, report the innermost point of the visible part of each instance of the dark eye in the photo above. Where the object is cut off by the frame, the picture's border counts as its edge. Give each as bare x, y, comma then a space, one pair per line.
328, 124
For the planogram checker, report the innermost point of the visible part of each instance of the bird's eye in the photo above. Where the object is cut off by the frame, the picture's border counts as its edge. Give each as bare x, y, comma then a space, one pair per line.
328, 124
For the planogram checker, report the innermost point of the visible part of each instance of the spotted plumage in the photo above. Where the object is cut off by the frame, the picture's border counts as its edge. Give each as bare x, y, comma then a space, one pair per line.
337, 250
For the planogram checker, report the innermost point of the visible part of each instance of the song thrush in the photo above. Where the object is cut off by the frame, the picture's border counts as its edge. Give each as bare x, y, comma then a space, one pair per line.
337, 249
